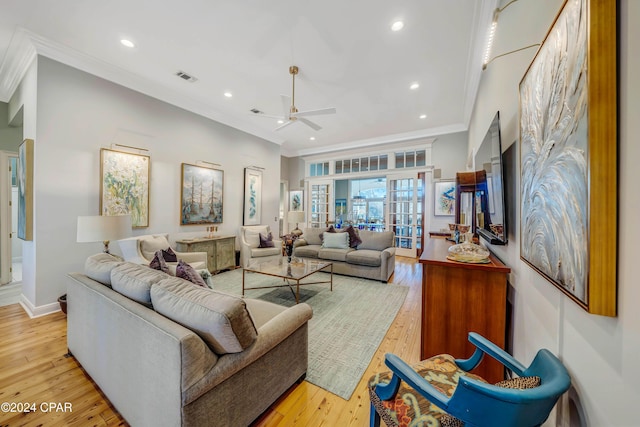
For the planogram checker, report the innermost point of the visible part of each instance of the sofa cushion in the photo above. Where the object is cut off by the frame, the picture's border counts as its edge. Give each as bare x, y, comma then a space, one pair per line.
149, 245
98, 267
376, 240
335, 240
312, 235
334, 254
262, 252
221, 320
307, 251
252, 235
366, 257
134, 281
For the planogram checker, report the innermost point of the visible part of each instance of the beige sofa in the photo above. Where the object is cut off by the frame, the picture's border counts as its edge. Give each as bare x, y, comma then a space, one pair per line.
170, 353
374, 258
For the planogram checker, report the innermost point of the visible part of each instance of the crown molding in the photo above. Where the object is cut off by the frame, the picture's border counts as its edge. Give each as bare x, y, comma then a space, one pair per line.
15, 64
25, 45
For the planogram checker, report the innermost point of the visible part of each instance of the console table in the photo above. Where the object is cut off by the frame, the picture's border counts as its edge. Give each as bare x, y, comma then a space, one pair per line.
221, 250
458, 298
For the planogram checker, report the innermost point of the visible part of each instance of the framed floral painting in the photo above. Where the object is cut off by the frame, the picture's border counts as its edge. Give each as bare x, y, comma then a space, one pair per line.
252, 196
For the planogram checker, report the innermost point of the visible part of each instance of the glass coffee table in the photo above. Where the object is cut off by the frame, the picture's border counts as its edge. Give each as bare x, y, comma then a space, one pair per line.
291, 273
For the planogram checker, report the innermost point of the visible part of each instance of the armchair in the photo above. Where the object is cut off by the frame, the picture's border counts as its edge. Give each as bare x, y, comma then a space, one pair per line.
141, 250
440, 391
250, 251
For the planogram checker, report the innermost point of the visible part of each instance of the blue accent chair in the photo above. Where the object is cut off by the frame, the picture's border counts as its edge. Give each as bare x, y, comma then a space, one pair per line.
442, 392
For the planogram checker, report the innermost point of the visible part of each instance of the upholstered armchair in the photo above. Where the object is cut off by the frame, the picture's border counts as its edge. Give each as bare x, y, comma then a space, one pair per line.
440, 391
251, 253
141, 250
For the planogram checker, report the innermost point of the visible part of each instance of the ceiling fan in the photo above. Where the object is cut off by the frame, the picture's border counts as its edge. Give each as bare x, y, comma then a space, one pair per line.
291, 113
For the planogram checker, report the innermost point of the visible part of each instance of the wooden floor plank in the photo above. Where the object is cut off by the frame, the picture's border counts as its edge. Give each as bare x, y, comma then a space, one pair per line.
33, 366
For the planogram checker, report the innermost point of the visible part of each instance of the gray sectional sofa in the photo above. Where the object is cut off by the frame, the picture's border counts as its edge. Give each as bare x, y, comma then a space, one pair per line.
374, 258
167, 352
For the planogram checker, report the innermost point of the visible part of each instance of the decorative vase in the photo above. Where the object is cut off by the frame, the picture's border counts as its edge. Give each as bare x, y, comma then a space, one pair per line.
63, 303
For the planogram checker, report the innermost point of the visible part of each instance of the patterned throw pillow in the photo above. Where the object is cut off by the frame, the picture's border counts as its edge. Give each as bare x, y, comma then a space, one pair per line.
159, 263
266, 241
520, 383
186, 272
354, 238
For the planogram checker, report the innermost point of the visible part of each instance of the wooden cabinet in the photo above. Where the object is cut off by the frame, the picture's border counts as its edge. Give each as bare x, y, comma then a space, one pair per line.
221, 250
459, 298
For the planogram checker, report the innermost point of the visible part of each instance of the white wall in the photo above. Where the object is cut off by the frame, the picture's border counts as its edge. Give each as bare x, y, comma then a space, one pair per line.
77, 115
600, 352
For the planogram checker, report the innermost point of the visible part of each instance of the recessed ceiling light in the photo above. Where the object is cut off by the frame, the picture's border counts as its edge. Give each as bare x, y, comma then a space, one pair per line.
414, 86
313, 138
228, 94
127, 43
397, 26
423, 116
280, 122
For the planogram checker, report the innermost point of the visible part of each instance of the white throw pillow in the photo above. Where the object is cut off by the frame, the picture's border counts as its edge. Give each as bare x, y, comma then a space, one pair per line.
252, 235
335, 240
149, 245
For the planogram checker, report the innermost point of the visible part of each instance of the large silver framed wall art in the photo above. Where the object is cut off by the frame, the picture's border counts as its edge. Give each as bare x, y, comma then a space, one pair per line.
568, 163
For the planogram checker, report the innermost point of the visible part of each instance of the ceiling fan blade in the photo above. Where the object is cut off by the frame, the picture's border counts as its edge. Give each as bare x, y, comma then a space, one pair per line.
284, 125
309, 123
314, 112
271, 116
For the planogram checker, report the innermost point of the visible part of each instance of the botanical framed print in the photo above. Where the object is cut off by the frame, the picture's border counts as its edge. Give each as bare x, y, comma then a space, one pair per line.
296, 202
124, 185
568, 156
25, 190
201, 195
252, 196
444, 198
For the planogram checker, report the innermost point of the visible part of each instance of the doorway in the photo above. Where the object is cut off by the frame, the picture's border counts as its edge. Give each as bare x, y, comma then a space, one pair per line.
406, 201
10, 245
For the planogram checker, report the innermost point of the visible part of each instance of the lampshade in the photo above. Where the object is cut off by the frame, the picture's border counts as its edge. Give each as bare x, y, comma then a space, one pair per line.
101, 228
294, 217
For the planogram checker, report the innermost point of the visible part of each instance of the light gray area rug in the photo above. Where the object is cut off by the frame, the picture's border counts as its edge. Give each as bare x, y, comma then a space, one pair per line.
347, 327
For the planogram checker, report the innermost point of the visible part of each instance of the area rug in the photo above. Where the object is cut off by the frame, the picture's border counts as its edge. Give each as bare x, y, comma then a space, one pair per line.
347, 327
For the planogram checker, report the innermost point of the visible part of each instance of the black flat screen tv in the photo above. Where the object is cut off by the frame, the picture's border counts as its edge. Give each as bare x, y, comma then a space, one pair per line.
488, 157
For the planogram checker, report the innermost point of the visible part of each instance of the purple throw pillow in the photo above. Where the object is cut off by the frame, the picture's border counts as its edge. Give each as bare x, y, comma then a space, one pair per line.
330, 229
169, 255
354, 237
159, 263
266, 241
186, 272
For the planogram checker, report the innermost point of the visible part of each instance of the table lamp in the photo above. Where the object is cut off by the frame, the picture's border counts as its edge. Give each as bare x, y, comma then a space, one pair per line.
295, 217
102, 228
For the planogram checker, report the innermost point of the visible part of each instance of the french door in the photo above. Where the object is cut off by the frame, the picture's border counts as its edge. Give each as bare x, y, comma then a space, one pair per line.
405, 215
320, 201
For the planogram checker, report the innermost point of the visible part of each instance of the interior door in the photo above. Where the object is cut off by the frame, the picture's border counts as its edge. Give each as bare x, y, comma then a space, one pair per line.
404, 214
320, 201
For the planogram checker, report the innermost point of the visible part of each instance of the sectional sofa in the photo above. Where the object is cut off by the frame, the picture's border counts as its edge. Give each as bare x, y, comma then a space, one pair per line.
166, 352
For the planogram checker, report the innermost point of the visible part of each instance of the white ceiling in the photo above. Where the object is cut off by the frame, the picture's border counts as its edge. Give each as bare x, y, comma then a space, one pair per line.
348, 57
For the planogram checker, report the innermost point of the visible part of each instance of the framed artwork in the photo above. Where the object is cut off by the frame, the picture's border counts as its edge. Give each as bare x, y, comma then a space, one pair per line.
124, 185
25, 190
252, 196
201, 190
444, 198
296, 202
568, 156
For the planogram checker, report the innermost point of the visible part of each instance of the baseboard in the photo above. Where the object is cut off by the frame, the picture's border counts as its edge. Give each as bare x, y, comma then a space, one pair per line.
39, 311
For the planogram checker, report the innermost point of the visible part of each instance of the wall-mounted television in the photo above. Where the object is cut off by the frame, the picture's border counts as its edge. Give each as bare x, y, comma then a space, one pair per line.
488, 157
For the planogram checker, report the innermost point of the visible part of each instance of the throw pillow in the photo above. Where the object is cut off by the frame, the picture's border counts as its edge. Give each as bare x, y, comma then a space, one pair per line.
329, 229
354, 238
266, 241
520, 383
169, 255
335, 240
186, 272
159, 263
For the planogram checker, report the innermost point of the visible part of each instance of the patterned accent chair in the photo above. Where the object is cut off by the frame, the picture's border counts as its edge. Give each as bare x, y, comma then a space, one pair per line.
440, 391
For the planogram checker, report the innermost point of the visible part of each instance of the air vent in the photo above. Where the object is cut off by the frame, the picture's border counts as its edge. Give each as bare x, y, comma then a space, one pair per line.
186, 76
256, 111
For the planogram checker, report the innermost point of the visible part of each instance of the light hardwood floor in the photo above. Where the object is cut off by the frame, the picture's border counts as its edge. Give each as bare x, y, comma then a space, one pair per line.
33, 368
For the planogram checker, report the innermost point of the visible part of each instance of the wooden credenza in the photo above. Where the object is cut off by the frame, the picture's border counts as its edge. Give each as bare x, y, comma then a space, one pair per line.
221, 250
458, 298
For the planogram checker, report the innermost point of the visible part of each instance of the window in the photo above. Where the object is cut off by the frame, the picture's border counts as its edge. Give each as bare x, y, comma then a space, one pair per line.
319, 169
410, 159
